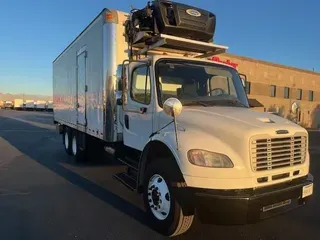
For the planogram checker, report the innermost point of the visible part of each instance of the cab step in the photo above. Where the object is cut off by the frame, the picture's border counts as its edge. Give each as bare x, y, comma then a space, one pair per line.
131, 163
127, 180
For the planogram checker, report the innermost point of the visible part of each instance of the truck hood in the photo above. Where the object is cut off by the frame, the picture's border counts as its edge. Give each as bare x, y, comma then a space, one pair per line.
233, 121
230, 131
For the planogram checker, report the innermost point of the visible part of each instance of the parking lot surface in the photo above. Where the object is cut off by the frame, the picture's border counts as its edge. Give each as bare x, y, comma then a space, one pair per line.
45, 195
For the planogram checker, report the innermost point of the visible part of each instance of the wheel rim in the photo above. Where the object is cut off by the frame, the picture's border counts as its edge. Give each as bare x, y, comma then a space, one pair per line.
74, 146
66, 140
159, 197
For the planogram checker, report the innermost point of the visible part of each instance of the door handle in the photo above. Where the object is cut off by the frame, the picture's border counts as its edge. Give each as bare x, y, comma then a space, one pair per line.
77, 105
143, 110
126, 121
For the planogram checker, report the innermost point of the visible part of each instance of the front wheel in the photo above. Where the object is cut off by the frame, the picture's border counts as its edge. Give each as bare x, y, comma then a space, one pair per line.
165, 213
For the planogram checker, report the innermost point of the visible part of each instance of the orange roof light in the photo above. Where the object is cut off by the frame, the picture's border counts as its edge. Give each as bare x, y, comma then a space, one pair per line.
109, 16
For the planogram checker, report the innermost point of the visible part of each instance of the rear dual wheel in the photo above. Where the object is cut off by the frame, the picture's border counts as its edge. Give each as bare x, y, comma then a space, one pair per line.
77, 151
71, 140
66, 138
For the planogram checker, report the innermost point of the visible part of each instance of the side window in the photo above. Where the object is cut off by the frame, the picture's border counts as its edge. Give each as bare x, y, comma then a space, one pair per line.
299, 94
286, 92
273, 91
310, 95
140, 85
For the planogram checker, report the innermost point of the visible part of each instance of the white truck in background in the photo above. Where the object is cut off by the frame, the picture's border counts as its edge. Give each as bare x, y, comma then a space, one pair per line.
49, 106
41, 105
29, 105
18, 104
8, 104
142, 86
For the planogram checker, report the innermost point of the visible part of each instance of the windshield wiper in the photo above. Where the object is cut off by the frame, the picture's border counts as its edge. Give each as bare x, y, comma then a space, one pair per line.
208, 103
192, 103
234, 102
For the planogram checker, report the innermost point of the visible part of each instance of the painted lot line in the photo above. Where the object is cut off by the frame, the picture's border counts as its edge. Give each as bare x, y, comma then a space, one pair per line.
36, 124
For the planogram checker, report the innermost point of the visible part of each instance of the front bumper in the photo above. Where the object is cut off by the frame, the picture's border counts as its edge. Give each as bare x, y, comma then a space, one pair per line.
247, 205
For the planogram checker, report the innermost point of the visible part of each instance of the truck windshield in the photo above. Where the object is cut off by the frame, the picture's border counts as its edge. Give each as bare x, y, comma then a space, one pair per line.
199, 83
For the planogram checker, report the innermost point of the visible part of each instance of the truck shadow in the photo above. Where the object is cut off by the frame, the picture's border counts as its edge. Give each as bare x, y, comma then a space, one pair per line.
45, 147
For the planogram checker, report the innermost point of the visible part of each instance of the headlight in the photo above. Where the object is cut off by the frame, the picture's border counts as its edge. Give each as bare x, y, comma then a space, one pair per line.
209, 159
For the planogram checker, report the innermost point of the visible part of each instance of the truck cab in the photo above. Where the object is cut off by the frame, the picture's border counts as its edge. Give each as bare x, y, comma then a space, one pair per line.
202, 148
191, 121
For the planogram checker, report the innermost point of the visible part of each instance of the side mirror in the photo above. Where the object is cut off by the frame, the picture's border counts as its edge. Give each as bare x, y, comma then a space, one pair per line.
243, 79
295, 107
172, 107
243, 83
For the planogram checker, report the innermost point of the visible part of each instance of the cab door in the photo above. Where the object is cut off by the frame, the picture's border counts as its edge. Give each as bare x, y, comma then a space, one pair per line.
138, 111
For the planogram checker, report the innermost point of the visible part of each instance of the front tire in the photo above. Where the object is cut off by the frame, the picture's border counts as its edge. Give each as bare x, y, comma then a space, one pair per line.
164, 211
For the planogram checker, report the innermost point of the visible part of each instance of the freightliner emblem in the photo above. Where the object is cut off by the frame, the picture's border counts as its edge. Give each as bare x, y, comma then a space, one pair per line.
282, 131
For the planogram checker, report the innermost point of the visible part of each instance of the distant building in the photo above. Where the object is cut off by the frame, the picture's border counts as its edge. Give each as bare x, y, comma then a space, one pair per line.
277, 87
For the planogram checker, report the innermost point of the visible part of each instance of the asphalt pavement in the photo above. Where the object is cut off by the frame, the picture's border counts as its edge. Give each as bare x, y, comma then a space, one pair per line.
45, 195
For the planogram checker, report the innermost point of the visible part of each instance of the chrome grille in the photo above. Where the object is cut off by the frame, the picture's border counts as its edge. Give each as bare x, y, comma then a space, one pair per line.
273, 153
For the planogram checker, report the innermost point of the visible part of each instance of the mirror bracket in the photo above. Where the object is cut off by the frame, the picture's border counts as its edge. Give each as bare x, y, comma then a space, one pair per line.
173, 108
119, 102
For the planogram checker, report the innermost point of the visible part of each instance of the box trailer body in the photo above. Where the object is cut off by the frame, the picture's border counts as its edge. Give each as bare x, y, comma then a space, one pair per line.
180, 123
18, 104
94, 58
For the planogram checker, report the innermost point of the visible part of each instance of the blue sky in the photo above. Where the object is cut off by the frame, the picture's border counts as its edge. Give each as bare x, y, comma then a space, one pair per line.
34, 32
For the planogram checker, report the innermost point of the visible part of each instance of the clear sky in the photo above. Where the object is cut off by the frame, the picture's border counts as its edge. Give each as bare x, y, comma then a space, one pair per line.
34, 32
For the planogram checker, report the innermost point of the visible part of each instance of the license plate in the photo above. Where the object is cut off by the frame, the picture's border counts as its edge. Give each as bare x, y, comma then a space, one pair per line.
307, 190
276, 205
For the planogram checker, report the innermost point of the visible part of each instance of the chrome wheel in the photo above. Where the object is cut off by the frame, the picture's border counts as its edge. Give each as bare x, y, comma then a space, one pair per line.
74, 146
159, 197
66, 140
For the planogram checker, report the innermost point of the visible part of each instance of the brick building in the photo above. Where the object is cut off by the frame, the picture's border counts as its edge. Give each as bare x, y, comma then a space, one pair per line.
277, 87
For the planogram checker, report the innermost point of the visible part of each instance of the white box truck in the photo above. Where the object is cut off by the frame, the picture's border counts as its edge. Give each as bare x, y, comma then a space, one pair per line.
18, 104
142, 85
41, 105
29, 104
8, 105
49, 106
